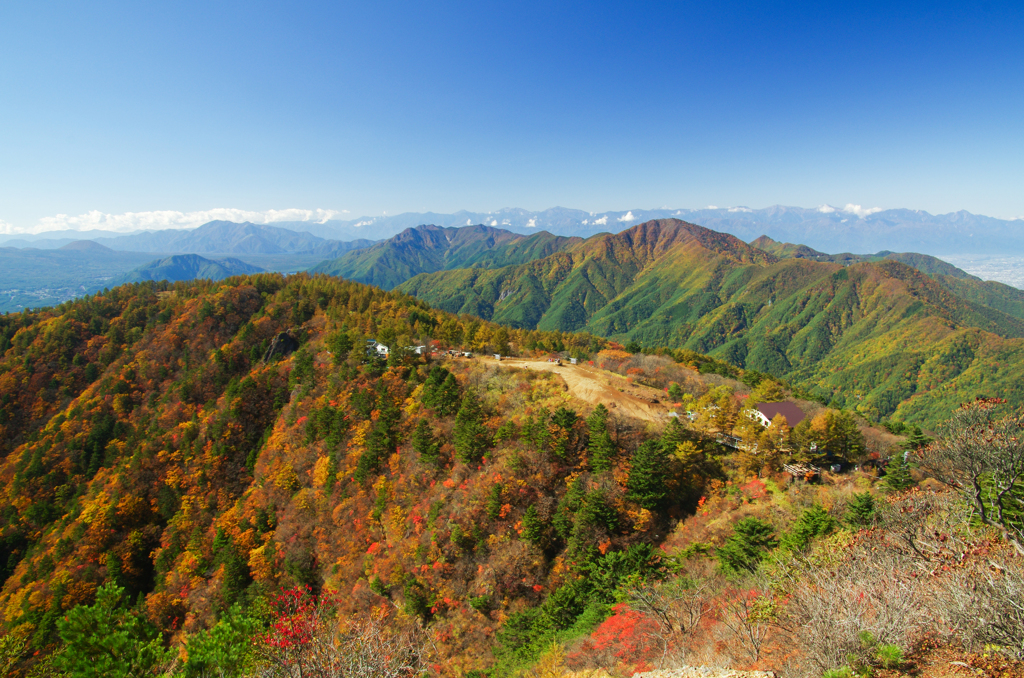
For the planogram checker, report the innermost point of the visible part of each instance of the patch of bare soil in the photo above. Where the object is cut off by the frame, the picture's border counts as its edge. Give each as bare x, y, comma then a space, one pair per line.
597, 386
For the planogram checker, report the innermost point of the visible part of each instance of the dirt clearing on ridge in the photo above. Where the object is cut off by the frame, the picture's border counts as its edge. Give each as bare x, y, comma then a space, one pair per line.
597, 386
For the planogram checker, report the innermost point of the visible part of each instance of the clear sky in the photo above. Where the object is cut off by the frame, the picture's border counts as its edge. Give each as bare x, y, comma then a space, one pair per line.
413, 106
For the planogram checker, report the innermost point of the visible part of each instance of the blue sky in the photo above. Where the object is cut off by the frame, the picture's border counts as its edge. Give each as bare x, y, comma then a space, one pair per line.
413, 106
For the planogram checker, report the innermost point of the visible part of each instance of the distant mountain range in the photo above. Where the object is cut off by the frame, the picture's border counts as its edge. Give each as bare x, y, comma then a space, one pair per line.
215, 237
891, 333
826, 228
426, 249
869, 331
186, 267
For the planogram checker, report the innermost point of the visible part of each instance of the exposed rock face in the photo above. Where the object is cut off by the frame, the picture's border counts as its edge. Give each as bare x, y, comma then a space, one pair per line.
283, 344
703, 672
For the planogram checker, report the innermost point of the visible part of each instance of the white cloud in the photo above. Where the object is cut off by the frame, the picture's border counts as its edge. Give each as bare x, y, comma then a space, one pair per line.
585, 221
532, 223
740, 209
826, 209
628, 216
7, 228
506, 222
603, 221
157, 220
494, 222
860, 211
469, 222
712, 207
365, 223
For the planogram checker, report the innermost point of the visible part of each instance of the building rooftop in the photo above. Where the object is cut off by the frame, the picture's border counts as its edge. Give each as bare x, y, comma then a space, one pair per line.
793, 414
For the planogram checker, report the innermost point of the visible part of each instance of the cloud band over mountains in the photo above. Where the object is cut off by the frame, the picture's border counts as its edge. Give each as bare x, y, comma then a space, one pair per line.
164, 219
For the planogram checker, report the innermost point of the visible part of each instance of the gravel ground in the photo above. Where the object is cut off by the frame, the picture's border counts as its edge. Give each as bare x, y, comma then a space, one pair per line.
703, 672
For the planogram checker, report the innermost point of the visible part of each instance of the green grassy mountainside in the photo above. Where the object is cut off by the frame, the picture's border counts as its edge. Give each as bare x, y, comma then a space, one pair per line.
426, 249
923, 262
878, 336
997, 295
187, 267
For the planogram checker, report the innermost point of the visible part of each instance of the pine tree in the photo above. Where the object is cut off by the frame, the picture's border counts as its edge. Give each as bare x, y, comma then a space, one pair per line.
563, 419
746, 547
507, 431
432, 384
423, 443
601, 448
533, 526
674, 435
916, 439
897, 474
646, 482
814, 522
107, 640
446, 402
470, 435
382, 440
493, 504
861, 510
675, 392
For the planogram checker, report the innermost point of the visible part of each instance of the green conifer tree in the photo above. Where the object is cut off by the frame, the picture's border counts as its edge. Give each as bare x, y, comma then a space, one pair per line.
674, 435
646, 482
107, 640
813, 522
563, 419
432, 384
382, 440
861, 510
423, 443
916, 439
447, 399
470, 435
601, 448
493, 504
533, 526
746, 547
897, 474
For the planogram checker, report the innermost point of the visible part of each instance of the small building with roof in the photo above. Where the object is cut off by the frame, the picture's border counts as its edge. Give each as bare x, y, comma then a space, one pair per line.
765, 412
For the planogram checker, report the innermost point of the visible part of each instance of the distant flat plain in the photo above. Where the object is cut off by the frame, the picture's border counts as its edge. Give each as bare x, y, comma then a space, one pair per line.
1007, 270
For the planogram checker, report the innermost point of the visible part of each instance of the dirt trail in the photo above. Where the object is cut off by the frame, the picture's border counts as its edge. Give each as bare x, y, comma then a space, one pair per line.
597, 386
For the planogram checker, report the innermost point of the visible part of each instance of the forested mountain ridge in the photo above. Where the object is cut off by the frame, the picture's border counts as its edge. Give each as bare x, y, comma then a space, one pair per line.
429, 248
186, 267
879, 336
143, 427
217, 478
228, 237
997, 295
926, 264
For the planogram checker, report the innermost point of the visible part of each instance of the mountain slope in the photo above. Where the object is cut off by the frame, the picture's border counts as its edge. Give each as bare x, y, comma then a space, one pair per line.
226, 237
926, 264
996, 295
831, 229
842, 330
187, 267
147, 440
426, 249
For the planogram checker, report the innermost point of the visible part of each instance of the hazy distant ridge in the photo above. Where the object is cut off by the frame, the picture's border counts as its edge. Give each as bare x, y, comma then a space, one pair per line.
828, 229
